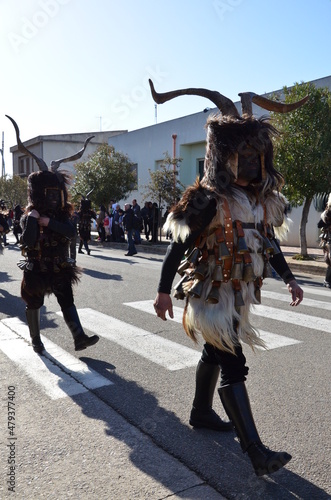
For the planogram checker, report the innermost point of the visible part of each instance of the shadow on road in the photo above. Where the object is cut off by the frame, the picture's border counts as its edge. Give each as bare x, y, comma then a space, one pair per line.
215, 457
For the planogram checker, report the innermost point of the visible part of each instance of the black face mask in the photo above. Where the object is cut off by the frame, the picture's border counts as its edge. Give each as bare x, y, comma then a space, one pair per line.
53, 199
249, 165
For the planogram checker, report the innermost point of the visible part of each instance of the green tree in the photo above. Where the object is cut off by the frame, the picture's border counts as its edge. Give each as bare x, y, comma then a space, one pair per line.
110, 174
13, 190
303, 149
164, 185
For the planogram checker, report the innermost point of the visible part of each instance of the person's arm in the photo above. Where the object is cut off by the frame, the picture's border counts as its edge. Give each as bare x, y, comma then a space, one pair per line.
67, 228
30, 228
281, 267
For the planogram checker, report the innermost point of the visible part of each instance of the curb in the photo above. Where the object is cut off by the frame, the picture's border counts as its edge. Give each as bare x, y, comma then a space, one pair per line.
317, 268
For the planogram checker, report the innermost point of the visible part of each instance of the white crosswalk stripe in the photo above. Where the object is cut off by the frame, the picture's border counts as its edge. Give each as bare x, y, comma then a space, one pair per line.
318, 304
166, 353
60, 374
271, 340
57, 372
294, 318
323, 292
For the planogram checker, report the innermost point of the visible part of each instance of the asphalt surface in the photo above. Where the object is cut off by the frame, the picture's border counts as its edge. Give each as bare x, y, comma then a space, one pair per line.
97, 444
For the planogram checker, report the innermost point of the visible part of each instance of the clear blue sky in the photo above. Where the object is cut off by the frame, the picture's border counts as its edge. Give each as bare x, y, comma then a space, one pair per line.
72, 66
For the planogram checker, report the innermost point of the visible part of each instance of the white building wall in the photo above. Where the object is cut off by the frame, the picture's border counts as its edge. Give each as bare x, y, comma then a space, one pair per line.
146, 147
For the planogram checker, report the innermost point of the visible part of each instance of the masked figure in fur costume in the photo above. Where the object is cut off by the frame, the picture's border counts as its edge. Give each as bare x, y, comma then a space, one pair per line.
226, 226
47, 231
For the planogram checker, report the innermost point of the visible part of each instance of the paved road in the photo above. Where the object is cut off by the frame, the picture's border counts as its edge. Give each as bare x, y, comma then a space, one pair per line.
112, 422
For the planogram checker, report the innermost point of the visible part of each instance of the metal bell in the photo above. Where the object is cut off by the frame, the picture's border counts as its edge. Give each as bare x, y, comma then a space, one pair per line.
267, 273
218, 273
213, 296
194, 256
248, 273
223, 252
183, 266
179, 291
201, 270
267, 246
237, 271
196, 289
274, 246
241, 246
238, 299
257, 293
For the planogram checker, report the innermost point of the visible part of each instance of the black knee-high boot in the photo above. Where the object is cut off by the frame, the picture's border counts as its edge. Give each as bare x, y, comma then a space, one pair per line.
33, 319
237, 406
202, 414
81, 340
80, 246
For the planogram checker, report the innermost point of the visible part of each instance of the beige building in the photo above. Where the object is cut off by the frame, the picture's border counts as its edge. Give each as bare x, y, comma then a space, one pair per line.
54, 147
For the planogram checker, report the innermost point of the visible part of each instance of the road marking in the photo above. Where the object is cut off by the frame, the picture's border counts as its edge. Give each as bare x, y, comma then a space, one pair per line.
318, 304
271, 340
58, 373
164, 352
299, 319
313, 290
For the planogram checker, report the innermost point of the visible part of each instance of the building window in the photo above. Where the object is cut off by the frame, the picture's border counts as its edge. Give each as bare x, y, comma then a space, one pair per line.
25, 166
21, 166
200, 168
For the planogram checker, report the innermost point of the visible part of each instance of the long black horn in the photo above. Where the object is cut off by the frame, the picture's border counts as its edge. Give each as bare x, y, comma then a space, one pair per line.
247, 98
225, 105
40, 162
56, 163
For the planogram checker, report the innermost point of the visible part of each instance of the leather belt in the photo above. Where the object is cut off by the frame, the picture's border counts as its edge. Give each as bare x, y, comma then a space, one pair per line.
249, 225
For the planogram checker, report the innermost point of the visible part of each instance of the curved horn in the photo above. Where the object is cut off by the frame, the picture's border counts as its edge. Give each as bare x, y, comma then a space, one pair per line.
278, 107
224, 104
40, 162
56, 163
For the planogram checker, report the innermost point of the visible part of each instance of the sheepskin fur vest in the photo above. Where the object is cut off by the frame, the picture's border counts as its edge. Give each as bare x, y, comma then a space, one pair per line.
223, 272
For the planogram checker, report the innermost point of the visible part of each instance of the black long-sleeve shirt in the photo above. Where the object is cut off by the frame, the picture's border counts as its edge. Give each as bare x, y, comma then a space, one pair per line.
31, 229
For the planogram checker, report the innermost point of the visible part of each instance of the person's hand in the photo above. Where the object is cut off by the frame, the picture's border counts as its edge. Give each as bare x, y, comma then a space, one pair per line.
296, 292
162, 304
34, 213
43, 221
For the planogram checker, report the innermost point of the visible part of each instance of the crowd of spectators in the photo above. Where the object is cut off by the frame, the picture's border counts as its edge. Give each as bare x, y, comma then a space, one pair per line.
112, 224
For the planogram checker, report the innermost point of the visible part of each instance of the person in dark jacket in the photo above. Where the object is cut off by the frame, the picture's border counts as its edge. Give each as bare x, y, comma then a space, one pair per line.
86, 214
17, 230
128, 227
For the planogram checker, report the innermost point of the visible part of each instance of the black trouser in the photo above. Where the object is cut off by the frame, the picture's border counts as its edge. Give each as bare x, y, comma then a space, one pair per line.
36, 285
328, 275
233, 366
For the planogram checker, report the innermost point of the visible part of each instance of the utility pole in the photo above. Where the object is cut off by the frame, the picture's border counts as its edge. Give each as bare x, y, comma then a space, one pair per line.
3, 173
